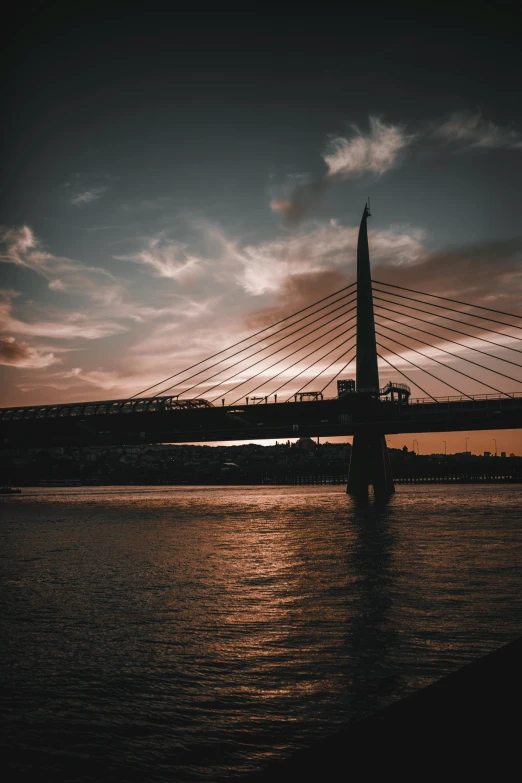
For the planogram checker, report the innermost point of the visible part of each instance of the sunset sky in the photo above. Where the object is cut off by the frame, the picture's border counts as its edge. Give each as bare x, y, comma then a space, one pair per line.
169, 182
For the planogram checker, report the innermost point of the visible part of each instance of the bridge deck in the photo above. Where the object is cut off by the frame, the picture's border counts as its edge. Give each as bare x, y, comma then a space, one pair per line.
115, 422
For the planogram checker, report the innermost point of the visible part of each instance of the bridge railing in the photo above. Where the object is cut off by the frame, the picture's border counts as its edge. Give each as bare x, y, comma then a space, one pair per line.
97, 407
465, 398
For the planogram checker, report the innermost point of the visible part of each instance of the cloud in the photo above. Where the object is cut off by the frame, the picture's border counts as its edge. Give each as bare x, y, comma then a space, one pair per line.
316, 264
57, 285
60, 326
474, 132
99, 377
295, 293
267, 265
346, 157
487, 272
81, 382
20, 354
88, 196
168, 259
300, 199
372, 153
291, 209
20, 246
381, 149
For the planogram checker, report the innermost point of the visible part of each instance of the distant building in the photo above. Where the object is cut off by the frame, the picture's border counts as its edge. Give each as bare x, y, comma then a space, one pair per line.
487, 453
502, 453
345, 387
305, 444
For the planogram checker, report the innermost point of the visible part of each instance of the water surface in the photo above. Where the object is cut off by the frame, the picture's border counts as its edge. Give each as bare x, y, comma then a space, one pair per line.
185, 634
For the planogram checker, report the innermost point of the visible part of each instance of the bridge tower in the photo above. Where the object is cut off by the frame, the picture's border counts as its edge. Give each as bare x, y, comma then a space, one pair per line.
370, 462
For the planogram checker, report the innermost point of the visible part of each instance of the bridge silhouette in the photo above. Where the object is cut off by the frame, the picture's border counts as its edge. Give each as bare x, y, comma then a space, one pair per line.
288, 379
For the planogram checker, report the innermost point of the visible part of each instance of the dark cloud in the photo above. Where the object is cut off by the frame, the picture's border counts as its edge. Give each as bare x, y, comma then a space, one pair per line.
347, 157
298, 291
20, 354
488, 273
300, 200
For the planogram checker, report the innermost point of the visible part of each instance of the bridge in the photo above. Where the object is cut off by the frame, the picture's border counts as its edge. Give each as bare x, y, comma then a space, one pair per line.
357, 324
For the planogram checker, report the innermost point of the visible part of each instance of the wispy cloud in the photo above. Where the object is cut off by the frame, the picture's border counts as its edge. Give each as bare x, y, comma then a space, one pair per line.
57, 325
99, 377
20, 246
382, 148
361, 153
472, 131
57, 285
88, 196
489, 273
168, 259
299, 270
265, 266
347, 157
85, 188
20, 354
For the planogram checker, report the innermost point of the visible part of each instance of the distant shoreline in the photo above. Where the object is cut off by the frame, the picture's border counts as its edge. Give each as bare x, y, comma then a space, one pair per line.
308, 482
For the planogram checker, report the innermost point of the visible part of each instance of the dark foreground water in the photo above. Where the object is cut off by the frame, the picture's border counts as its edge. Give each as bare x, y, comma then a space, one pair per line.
183, 634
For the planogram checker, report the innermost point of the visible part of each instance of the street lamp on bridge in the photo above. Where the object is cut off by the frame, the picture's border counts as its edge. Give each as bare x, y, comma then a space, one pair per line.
466, 448
444, 447
495, 442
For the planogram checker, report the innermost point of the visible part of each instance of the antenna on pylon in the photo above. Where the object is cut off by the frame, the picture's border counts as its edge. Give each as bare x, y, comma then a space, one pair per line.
368, 207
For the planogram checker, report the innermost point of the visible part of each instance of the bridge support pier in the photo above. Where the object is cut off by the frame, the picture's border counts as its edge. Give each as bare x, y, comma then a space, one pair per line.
370, 464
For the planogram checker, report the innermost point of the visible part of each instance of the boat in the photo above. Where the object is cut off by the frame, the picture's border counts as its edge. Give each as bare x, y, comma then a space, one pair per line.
10, 491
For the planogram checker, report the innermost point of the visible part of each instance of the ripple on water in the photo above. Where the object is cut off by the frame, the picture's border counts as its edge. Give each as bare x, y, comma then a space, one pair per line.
190, 633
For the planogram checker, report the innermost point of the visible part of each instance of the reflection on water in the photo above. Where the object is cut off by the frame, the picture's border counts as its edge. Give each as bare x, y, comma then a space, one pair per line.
372, 633
194, 633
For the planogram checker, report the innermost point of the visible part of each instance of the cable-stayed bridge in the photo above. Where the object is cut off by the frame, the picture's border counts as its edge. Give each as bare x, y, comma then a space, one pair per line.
422, 363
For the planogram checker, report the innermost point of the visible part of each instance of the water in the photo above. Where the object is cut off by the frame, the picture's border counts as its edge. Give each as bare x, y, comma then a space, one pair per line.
186, 634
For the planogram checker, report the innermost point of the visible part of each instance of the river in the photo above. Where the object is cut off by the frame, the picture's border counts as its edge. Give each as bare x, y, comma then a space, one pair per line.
193, 634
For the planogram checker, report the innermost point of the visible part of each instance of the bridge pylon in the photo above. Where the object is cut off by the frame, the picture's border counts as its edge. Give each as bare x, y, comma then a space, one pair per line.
370, 462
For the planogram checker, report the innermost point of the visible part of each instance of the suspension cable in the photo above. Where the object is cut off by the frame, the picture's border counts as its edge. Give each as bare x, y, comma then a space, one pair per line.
315, 362
319, 373
282, 359
449, 329
447, 317
432, 359
451, 309
260, 350
437, 348
403, 373
255, 334
279, 361
340, 371
447, 299
463, 394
